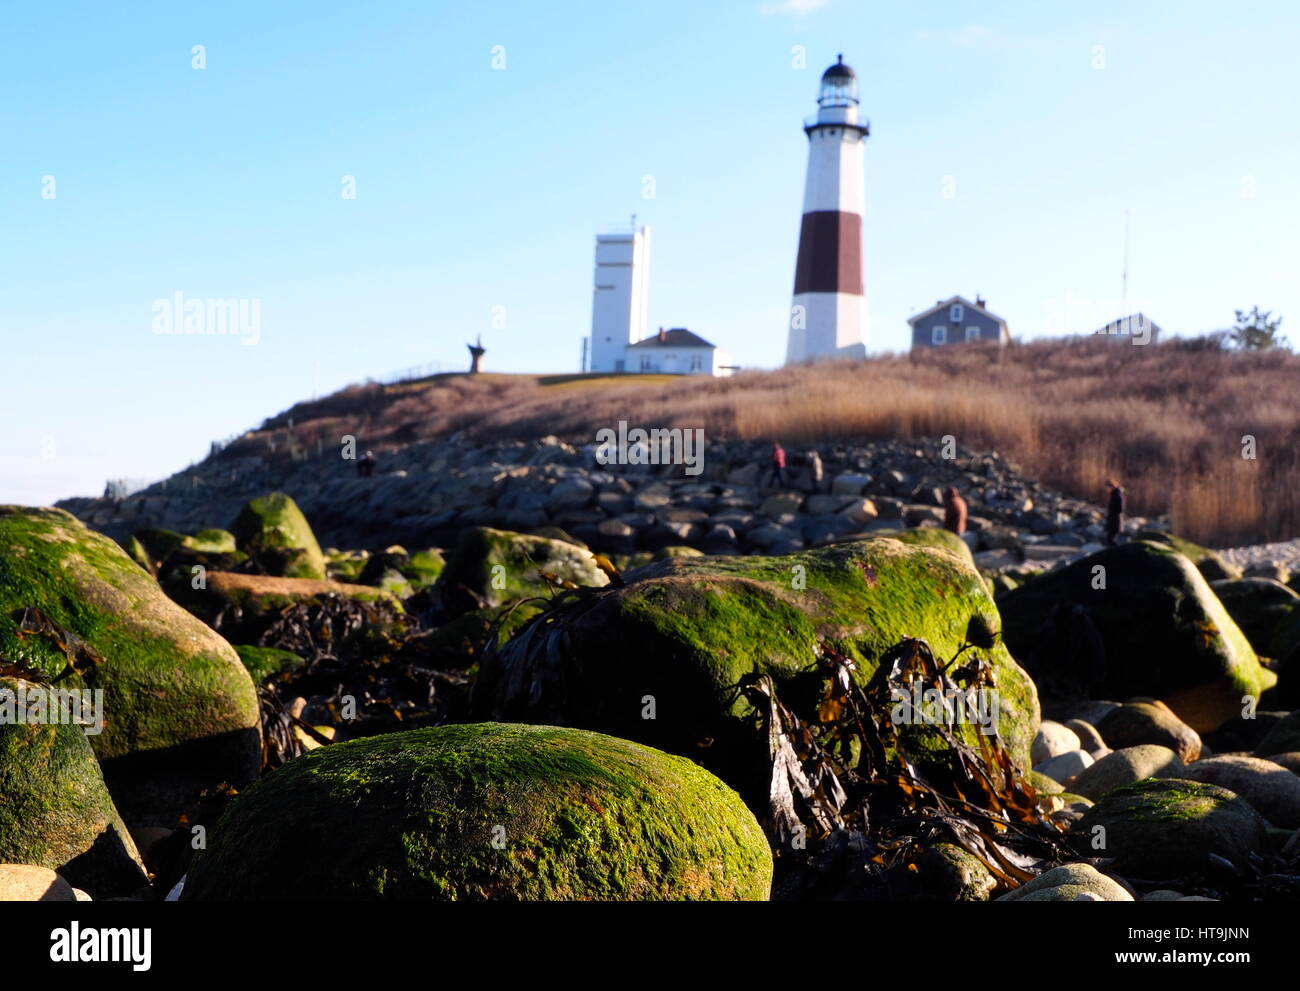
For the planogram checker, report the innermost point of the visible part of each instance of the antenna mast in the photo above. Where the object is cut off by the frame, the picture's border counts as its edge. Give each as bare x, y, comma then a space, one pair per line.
1124, 301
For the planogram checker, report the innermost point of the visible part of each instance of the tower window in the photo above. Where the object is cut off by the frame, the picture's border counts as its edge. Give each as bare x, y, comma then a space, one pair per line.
957, 313
939, 334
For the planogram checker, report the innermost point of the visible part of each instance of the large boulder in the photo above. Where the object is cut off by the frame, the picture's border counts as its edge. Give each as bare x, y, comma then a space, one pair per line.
931, 536
1283, 737
1134, 620
485, 811
1212, 565
241, 607
661, 660
1284, 647
1168, 827
491, 568
54, 809
181, 711
273, 532
1139, 722
1258, 606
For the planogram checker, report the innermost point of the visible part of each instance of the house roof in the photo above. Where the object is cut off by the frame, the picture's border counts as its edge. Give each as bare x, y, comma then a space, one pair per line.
947, 303
1125, 325
678, 337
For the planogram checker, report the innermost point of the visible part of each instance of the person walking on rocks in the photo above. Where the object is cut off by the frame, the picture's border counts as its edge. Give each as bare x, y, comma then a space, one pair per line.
366, 466
1114, 512
954, 511
777, 479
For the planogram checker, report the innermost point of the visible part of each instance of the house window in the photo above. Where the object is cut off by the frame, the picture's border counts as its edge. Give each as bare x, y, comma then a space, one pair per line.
618, 366
972, 333
645, 363
939, 335
697, 363
958, 313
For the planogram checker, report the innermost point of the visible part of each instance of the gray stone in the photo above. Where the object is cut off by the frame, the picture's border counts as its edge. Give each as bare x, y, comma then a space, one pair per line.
1270, 788
849, 484
1052, 740
1125, 767
1064, 767
1066, 884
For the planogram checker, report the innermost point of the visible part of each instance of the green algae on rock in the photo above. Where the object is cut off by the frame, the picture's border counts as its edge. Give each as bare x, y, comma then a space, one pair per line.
181, 712
274, 533
245, 605
1209, 563
496, 567
55, 811
485, 811
1168, 827
929, 536
682, 637
1134, 620
265, 663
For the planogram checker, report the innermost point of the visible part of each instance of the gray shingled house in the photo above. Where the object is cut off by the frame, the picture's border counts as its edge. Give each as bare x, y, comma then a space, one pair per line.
956, 321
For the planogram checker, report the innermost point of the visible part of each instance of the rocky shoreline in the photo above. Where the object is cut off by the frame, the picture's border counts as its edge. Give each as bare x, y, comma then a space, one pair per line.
580, 681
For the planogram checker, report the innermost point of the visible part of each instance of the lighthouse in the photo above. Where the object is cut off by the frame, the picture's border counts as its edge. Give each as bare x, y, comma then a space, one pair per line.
828, 316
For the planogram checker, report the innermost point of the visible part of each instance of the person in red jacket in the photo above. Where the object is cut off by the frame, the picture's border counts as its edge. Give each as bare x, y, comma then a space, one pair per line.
778, 466
954, 511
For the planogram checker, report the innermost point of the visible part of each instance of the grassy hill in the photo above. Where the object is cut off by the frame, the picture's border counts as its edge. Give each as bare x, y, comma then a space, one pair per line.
1167, 420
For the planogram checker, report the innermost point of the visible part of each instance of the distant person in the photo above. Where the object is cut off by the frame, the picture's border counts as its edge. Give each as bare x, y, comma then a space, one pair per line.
366, 466
1114, 512
954, 511
778, 466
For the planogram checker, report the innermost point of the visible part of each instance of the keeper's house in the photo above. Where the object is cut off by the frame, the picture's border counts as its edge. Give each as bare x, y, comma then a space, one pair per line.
956, 321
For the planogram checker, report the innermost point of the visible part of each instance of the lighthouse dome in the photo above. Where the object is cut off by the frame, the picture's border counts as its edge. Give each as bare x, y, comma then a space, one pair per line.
839, 86
839, 71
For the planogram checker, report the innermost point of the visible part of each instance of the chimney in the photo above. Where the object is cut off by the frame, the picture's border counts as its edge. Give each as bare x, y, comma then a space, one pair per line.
663, 336
979, 301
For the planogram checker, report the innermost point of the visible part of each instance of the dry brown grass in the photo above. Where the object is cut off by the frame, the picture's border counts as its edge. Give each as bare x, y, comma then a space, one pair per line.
1168, 420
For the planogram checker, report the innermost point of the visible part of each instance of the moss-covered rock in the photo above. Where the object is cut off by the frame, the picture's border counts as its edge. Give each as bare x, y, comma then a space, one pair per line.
180, 710
497, 567
1210, 564
660, 660
266, 663
55, 811
1134, 620
168, 555
243, 606
345, 566
1168, 827
931, 536
1258, 606
485, 811
273, 532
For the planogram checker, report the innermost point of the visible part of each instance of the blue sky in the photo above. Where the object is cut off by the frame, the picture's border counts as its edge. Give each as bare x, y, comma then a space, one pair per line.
479, 188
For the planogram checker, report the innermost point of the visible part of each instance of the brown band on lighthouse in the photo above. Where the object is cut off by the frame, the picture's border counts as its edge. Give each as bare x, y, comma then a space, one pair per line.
830, 253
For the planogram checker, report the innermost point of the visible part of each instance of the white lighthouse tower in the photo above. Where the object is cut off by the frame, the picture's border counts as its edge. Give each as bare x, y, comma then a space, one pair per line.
827, 318
621, 296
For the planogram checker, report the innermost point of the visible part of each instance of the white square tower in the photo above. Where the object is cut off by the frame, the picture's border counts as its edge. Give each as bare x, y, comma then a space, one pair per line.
620, 300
